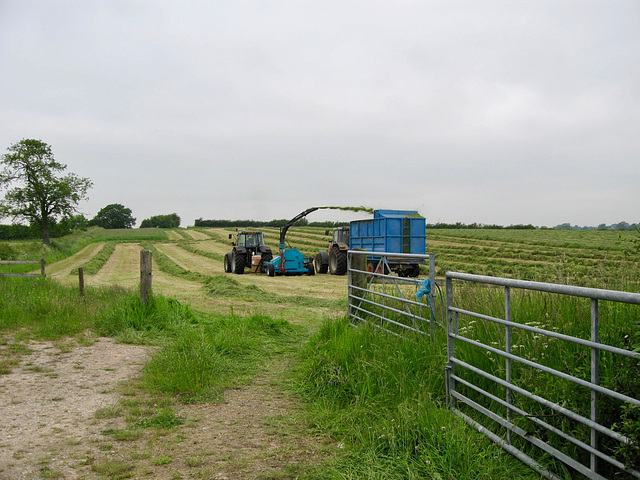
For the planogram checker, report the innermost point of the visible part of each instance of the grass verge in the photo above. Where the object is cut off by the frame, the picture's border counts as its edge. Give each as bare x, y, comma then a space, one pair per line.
382, 397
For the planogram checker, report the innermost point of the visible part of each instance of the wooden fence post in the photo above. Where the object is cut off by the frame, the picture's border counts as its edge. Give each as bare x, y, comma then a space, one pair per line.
42, 264
145, 275
81, 280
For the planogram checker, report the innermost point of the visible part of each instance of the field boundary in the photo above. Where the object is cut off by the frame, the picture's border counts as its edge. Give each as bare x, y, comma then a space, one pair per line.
40, 262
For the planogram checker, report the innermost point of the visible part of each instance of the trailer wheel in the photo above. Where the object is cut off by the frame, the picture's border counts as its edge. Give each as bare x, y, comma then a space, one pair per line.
237, 264
374, 267
337, 261
414, 271
271, 271
321, 262
227, 263
310, 269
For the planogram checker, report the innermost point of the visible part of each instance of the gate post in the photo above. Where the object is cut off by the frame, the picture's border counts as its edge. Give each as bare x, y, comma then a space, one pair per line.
356, 261
145, 275
451, 328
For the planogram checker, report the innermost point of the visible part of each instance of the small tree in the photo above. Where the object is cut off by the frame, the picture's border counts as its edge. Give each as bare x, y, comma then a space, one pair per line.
40, 195
114, 216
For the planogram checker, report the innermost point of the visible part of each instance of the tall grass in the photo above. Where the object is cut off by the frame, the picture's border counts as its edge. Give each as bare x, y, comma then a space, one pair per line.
133, 321
382, 397
43, 309
619, 325
201, 362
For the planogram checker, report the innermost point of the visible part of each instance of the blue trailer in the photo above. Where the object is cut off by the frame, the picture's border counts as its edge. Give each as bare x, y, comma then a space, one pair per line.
391, 231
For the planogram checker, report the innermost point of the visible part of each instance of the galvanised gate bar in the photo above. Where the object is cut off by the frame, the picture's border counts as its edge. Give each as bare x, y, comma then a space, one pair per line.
501, 415
387, 301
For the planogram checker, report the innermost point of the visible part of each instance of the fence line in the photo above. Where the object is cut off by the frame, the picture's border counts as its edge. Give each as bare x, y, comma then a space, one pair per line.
40, 262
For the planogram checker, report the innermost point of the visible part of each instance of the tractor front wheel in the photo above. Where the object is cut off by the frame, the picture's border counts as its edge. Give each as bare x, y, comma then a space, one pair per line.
227, 263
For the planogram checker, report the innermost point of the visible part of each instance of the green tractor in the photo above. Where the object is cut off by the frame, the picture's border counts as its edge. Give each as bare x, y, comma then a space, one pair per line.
249, 251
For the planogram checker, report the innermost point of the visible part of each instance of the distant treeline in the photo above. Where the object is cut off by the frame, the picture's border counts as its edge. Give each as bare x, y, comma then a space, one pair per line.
602, 226
562, 226
479, 226
258, 224
459, 225
16, 232
61, 228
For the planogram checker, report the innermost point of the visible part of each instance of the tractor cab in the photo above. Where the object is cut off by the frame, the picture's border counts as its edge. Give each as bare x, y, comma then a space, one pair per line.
250, 239
341, 235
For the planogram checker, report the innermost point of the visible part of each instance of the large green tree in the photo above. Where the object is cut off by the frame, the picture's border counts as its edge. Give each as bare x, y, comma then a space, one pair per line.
113, 216
35, 188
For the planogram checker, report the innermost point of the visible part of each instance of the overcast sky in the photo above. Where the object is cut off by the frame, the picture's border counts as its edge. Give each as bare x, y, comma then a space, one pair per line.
489, 111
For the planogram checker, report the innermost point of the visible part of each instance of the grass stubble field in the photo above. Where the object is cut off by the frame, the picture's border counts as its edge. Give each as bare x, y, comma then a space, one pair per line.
61, 396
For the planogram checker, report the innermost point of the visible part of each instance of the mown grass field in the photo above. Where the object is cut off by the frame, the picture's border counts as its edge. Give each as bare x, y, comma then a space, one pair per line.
378, 397
602, 259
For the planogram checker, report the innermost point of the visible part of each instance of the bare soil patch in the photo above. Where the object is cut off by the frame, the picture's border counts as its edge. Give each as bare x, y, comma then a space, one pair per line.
51, 430
48, 404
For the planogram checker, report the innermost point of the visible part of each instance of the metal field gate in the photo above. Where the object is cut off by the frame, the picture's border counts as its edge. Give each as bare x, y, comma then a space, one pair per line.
392, 303
499, 368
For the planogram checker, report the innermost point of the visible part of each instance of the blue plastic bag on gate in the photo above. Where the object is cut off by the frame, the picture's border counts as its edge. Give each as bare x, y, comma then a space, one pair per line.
423, 289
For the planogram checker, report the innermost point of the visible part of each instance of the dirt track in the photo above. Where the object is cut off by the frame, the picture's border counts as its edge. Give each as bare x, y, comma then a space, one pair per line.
52, 426
50, 401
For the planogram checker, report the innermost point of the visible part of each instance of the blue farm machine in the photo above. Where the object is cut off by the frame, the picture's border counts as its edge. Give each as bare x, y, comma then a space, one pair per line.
290, 261
391, 231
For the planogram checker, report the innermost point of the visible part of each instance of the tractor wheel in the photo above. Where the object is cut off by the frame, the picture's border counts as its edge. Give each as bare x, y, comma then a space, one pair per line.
271, 271
227, 263
321, 262
237, 264
337, 261
266, 257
